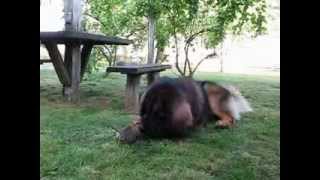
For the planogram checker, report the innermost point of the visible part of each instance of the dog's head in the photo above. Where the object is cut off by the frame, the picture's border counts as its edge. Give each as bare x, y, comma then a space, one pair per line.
131, 133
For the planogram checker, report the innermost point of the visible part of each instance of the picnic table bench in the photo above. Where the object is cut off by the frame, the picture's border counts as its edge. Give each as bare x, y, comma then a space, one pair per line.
71, 68
134, 73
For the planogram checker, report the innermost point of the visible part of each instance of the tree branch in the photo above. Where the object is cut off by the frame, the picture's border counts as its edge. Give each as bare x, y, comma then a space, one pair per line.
107, 48
134, 31
198, 64
193, 36
95, 18
186, 48
187, 57
105, 55
177, 54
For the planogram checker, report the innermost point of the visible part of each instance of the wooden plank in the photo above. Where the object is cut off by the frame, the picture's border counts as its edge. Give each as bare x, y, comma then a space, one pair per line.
68, 9
73, 15
72, 52
71, 92
138, 69
68, 57
61, 37
58, 64
67, 90
75, 74
85, 55
45, 61
151, 37
132, 93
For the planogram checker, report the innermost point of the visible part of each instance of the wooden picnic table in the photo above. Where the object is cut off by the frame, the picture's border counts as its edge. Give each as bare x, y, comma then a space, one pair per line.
61, 37
71, 68
134, 73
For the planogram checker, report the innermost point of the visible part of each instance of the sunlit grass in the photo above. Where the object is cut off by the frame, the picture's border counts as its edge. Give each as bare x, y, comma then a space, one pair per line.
78, 142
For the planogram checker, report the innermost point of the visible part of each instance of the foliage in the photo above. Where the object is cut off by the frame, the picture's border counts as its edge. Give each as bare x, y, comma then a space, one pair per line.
211, 20
95, 62
181, 20
114, 18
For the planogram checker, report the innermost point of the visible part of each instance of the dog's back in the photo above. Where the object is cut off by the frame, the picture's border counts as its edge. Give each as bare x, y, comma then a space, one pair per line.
171, 107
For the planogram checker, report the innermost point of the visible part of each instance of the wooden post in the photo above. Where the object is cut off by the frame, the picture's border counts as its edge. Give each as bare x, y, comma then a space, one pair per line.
58, 64
151, 35
68, 57
71, 92
132, 93
151, 77
68, 15
72, 10
68, 64
72, 15
85, 55
75, 75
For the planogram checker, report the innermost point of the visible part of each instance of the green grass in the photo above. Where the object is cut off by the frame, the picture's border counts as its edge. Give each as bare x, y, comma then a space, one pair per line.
78, 143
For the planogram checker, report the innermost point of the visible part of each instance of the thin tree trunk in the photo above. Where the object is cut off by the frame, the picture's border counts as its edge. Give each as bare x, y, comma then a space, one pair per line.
114, 58
221, 64
187, 60
105, 55
151, 34
159, 56
177, 55
199, 63
221, 49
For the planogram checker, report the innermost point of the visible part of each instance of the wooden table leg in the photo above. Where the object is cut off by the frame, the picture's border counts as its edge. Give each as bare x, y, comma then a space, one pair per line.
152, 77
73, 64
58, 64
132, 93
66, 91
85, 55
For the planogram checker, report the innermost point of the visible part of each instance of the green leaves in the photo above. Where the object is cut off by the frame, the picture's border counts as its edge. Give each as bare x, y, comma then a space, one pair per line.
120, 17
209, 20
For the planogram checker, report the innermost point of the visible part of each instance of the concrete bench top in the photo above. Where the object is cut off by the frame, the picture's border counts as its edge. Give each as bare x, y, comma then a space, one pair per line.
138, 69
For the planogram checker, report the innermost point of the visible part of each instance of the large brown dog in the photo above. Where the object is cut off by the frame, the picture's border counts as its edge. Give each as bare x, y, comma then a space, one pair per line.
173, 107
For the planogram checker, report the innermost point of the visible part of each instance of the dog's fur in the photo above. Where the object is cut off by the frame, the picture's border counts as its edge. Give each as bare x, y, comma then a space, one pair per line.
172, 107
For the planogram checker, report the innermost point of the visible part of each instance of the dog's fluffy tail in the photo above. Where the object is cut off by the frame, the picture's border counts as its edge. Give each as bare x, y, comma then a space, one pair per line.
237, 104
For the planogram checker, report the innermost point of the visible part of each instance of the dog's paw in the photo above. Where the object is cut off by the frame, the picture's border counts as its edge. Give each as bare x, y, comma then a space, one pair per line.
223, 124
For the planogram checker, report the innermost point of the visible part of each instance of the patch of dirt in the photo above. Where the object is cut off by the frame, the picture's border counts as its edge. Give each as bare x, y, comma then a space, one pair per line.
97, 102
100, 102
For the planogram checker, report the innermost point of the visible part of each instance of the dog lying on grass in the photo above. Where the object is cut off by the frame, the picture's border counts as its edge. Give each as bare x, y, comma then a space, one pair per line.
171, 108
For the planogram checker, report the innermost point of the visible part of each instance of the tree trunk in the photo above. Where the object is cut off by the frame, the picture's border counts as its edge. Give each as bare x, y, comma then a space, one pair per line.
125, 53
221, 64
177, 55
221, 58
151, 34
187, 60
114, 58
159, 56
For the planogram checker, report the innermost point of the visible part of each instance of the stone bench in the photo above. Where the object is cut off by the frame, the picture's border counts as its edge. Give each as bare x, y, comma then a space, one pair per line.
134, 73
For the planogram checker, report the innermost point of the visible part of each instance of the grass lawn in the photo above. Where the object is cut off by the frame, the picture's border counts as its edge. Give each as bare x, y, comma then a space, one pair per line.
78, 142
